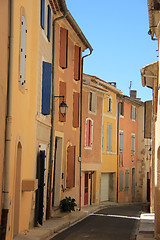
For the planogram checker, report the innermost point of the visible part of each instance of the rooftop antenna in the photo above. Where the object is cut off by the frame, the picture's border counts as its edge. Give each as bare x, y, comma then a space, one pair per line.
130, 86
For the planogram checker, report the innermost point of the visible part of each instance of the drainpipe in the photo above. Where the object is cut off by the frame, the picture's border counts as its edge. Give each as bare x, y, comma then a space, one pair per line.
80, 137
52, 111
8, 134
117, 147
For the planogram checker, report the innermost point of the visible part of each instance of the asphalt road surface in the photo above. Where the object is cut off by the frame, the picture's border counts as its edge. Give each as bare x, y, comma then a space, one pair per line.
114, 223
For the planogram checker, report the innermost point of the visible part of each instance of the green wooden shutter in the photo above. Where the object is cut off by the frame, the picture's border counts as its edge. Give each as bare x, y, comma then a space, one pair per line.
121, 181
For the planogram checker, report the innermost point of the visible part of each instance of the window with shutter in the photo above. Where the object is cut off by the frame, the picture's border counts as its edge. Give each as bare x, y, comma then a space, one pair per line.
49, 24
133, 112
122, 108
132, 144
92, 102
42, 13
126, 180
63, 47
89, 132
121, 181
121, 141
77, 62
23, 51
70, 181
46, 87
110, 104
75, 109
109, 144
62, 92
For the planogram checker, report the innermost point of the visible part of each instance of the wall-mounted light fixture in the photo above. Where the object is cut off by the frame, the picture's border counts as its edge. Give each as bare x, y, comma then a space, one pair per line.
63, 106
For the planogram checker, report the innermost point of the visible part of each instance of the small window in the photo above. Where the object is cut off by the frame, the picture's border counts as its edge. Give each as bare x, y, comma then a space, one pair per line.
92, 102
126, 180
121, 141
89, 133
63, 47
122, 108
121, 181
132, 144
49, 24
110, 105
109, 134
23, 51
42, 13
77, 63
133, 112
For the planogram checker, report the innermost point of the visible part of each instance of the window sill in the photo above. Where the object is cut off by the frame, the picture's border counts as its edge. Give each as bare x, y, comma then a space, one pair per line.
88, 148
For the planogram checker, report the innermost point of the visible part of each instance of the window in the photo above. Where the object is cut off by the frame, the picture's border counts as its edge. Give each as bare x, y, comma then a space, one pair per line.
110, 105
132, 144
75, 109
77, 62
121, 141
70, 181
126, 179
62, 92
92, 102
49, 24
122, 108
42, 13
121, 181
23, 51
63, 47
133, 112
46, 87
89, 133
109, 142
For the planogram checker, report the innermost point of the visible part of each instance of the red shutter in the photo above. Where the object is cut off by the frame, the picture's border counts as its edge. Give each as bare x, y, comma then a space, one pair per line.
87, 133
75, 109
62, 92
63, 47
70, 182
77, 61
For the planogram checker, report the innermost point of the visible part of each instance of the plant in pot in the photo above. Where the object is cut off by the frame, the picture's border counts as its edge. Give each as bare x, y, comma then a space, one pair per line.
68, 204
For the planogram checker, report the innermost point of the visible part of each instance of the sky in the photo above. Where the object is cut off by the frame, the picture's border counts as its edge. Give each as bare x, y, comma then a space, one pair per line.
118, 33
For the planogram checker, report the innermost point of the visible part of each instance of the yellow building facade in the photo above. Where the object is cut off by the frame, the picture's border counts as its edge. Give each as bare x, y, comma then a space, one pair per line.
20, 153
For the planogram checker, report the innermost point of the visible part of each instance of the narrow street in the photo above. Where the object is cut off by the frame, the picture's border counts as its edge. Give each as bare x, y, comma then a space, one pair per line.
115, 223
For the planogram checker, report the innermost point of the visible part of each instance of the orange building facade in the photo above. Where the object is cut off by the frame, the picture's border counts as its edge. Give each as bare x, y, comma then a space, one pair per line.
127, 139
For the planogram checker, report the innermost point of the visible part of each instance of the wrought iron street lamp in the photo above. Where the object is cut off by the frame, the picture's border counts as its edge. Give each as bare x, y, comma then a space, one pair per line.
63, 106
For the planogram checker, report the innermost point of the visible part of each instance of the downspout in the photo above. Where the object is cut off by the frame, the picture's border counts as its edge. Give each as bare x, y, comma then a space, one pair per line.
8, 134
80, 137
117, 148
53, 109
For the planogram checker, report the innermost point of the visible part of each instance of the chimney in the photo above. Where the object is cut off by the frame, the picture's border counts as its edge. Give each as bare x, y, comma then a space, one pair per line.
133, 94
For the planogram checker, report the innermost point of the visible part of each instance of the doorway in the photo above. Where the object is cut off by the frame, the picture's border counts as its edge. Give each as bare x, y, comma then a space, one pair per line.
57, 172
133, 184
17, 190
86, 189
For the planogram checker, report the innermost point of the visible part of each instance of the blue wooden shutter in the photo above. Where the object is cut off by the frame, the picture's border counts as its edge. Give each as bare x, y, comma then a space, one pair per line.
109, 138
46, 88
49, 24
42, 13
